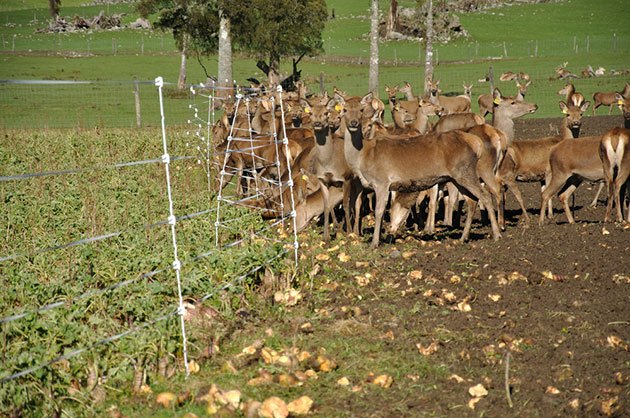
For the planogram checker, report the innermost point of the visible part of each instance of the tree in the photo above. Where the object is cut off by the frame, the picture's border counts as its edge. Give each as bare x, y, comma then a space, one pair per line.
54, 7
224, 75
276, 29
428, 60
194, 24
392, 19
373, 77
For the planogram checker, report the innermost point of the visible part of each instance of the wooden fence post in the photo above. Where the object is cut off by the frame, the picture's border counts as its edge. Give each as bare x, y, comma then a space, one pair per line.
136, 93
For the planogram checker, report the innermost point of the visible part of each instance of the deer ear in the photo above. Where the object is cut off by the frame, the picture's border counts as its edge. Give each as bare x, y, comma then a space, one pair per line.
497, 96
367, 99
619, 98
585, 106
563, 107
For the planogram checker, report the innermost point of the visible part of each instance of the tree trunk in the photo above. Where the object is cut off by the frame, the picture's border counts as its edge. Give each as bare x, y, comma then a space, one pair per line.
392, 19
373, 78
53, 6
224, 75
274, 70
428, 60
181, 82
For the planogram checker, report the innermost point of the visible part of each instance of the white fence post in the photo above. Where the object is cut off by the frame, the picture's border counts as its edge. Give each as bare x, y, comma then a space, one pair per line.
166, 159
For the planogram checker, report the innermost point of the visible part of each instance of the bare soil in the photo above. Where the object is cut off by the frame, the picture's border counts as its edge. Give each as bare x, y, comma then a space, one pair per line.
539, 318
555, 297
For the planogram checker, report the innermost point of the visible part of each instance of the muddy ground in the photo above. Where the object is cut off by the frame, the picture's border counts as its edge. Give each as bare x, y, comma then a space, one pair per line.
556, 297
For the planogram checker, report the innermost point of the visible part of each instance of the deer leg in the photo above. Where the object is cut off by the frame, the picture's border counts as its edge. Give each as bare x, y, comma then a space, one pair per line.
599, 190
513, 187
347, 186
553, 185
622, 179
429, 225
326, 199
564, 199
449, 203
470, 186
471, 207
381, 193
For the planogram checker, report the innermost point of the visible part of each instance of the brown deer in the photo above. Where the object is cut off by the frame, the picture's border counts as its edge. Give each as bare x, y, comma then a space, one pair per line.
408, 105
412, 164
407, 90
485, 100
570, 162
624, 105
329, 163
527, 160
457, 104
614, 152
571, 96
609, 98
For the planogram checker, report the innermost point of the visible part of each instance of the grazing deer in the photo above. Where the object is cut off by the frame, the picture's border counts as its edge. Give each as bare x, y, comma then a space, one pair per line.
485, 100
614, 152
527, 160
412, 164
609, 98
571, 161
571, 96
457, 104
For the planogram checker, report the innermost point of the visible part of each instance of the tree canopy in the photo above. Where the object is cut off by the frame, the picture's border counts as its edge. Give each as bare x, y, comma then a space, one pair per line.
265, 29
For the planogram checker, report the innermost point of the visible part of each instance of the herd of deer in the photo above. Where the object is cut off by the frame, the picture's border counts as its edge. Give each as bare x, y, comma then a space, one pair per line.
337, 150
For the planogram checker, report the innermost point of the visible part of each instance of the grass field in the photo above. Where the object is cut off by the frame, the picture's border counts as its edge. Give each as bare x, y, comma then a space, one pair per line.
537, 38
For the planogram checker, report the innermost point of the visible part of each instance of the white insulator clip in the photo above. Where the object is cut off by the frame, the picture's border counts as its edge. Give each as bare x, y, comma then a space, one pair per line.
159, 81
279, 88
172, 220
166, 159
293, 214
181, 310
177, 265
290, 183
296, 245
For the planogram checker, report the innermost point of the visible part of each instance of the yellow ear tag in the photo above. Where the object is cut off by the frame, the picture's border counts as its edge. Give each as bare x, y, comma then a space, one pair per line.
497, 101
338, 107
307, 110
397, 107
564, 111
619, 102
304, 177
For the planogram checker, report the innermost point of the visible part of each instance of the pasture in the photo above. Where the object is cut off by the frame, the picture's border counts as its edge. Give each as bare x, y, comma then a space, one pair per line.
90, 308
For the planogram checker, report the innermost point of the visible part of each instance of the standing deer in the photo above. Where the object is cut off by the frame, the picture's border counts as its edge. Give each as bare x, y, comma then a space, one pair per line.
329, 163
571, 161
609, 98
527, 160
614, 151
457, 104
412, 164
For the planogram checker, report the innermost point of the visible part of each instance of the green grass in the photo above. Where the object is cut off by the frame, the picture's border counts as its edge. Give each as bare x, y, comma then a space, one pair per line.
537, 38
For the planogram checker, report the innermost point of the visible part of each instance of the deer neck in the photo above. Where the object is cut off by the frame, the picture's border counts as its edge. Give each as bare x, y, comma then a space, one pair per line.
570, 132
502, 121
421, 124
